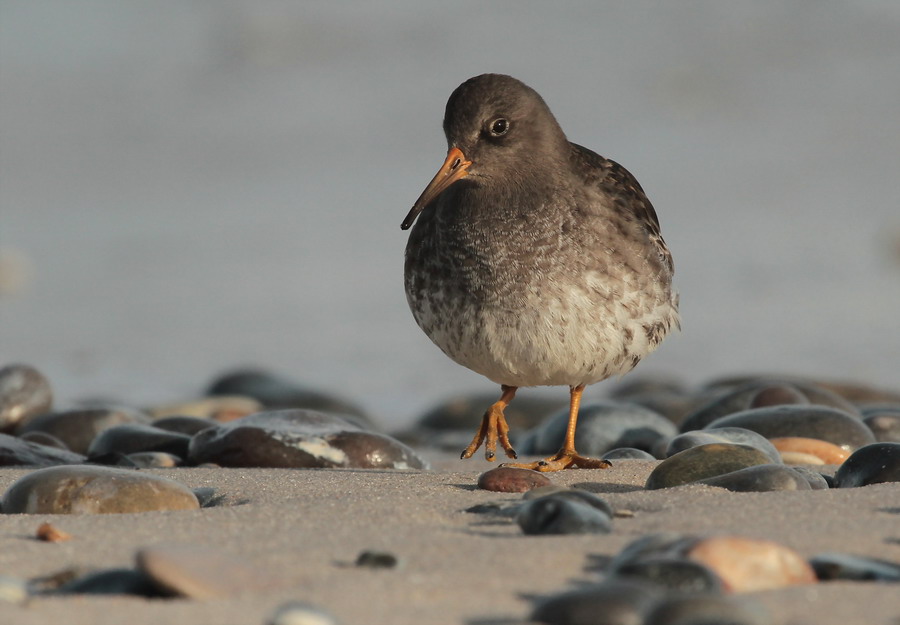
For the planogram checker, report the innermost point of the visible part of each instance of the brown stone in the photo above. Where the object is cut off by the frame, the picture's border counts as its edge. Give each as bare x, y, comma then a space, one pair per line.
512, 480
799, 450
748, 564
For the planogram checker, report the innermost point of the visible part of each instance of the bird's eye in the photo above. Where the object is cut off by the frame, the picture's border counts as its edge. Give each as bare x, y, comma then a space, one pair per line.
499, 127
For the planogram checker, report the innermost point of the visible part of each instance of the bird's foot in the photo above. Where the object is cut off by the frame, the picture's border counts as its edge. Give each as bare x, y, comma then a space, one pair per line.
564, 459
493, 429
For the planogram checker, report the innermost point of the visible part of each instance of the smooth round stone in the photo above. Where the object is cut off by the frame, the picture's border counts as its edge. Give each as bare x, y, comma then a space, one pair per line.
707, 609
843, 566
276, 392
573, 494
873, 464
135, 437
300, 613
615, 602
220, 409
750, 565
653, 547
884, 421
77, 428
42, 438
792, 448
299, 438
736, 436
24, 393
601, 426
197, 572
816, 480
151, 460
820, 422
676, 575
703, 462
558, 513
85, 489
17, 452
111, 582
627, 453
760, 479
183, 424
512, 480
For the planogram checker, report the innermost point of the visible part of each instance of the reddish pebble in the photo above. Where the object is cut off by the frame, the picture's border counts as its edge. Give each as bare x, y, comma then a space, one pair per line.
50, 534
512, 480
748, 565
794, 448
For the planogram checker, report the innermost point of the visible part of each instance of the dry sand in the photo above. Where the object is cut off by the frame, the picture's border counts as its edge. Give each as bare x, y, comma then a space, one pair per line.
303, 529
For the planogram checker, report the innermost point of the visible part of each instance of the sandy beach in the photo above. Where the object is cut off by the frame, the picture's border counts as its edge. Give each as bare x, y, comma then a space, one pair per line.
302, 530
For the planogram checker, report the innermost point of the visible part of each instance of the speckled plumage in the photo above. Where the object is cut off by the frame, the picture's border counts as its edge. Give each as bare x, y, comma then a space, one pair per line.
544, 264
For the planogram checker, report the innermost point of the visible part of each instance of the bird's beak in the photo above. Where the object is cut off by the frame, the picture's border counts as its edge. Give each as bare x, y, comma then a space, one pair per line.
455, 167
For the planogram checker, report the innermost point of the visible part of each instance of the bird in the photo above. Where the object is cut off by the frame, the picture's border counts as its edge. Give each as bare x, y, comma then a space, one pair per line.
534, 261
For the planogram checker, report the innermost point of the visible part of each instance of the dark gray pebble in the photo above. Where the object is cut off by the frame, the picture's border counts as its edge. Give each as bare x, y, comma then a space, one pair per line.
299, 438
42, 438
573, 494
77, 428
703, 462
816, 480
136, 437
627, 453
555, 514
601, 426
615, 602
738, 436
673, 574
24, 393
112, 582
18, 452
709, 609
821, 422
844, 566
759, 479
376, 560
184, 424
276, 392
511, 480
873, 464
652, 547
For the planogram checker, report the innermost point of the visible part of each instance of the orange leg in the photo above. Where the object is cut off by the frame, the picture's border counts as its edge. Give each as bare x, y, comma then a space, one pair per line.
567, 457
493, 428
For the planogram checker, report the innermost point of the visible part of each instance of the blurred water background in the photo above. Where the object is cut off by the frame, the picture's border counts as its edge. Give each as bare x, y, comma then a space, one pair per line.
186, 187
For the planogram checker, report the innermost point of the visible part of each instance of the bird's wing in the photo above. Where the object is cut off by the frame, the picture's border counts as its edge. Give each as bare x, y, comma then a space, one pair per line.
625, 194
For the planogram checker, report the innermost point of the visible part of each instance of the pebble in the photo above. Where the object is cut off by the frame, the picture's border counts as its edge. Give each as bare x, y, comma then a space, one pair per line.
737, 436
24, 393
703, 462
86, 489
750, 565
759, 479
183, 424
112, 582
673, 574
299, 438
709, 609
51, 534
573, 494
512, 480
843, 566
196, 572
884, 421
13, 590
77, 428
627, 453
219, 409
276, 392
819, 422
801, 450
17, 452
151, 460
873, 464
561, 513
376, 560
300, 613
136, 437
615, 602
602, 426
42, 438
816, 480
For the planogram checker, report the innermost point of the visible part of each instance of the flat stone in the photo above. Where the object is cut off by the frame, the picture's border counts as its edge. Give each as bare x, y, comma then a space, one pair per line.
601, 426
86, 489
703, 462
24, 393
821, 451
136, 437
627, 453
819, 422
197, 572
77, 428
220, 409
750, 565
873, 464
615, 602
299, 438
732, 435
560, 514
17, 452
511, 480
759, 479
